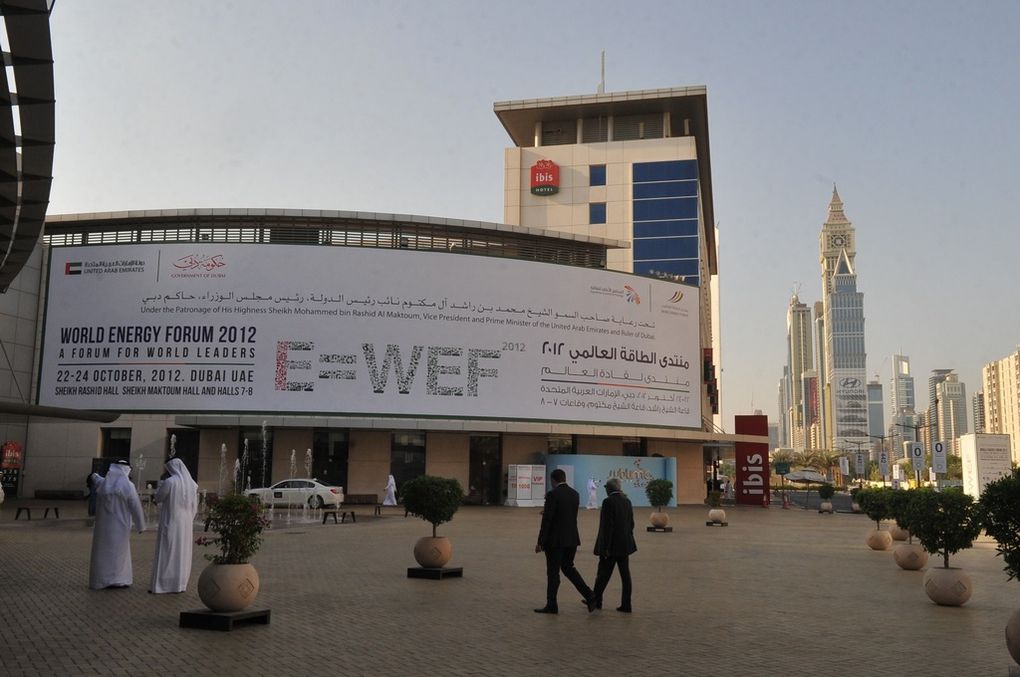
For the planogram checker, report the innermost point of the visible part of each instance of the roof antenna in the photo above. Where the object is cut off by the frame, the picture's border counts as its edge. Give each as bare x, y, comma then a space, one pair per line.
602, 82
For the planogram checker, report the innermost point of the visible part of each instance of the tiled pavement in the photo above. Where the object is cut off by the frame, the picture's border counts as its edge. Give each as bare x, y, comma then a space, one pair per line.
778, 592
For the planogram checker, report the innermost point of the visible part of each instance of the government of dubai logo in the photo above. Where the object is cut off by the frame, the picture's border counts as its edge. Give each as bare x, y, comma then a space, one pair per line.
677, 297
72, 268
545, 178
631, 294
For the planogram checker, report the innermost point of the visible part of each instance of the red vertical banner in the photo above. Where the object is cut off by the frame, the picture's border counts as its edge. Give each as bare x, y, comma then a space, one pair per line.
752, 459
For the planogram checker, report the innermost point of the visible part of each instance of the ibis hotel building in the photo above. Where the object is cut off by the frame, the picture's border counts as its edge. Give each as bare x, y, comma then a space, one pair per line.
259, 344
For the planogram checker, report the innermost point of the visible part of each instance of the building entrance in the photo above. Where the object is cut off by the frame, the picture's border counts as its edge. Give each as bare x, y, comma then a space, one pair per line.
484, 476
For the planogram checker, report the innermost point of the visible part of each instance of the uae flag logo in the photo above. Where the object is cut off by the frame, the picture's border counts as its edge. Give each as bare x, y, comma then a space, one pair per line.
72, 268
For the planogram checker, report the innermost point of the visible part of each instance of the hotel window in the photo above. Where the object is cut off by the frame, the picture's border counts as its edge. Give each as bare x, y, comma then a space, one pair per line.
597, 175
597, 212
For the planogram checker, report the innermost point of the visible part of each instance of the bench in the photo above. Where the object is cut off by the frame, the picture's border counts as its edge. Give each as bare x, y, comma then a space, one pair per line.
28, 512
364, 499
343, 515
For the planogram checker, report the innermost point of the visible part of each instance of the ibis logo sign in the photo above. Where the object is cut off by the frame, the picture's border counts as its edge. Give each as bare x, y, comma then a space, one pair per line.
545, 178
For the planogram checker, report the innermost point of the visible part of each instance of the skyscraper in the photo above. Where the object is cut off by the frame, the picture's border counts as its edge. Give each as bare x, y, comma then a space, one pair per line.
845, 356
1001, 386
903, 419
977, 411
876, 419
798, 341
950, 406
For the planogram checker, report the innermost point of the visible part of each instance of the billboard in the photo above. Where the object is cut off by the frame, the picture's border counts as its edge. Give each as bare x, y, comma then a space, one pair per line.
313, 329
634, 473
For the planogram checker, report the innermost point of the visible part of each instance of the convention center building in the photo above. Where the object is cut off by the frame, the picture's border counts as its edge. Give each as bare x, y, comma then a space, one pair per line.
259, 345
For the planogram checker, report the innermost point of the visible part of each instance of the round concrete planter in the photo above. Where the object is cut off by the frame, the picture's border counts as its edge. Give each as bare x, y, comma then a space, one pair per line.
910, 556
228, 587
879, 540
825, 506
1013, 635
948, 587
897, 533
855, 507
659, 519
433, 552
717, 515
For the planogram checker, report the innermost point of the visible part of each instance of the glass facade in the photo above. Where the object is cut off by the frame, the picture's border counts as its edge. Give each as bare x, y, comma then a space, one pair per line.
666, 230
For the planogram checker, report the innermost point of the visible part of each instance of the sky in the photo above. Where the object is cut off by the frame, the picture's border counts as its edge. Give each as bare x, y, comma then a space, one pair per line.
910, 108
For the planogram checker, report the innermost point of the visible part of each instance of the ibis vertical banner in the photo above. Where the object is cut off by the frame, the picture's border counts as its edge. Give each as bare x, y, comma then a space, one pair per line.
752, 460
279, 328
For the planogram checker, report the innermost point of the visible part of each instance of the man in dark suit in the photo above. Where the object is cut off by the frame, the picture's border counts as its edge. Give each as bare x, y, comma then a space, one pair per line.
615, 543
558, 539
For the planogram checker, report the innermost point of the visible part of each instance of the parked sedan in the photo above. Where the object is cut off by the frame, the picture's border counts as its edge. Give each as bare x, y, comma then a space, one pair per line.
300, 492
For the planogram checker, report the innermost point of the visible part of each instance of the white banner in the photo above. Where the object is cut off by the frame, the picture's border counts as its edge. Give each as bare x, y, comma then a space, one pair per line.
293, 329
939, 462
883, 463
844, 465
916, 450
859, 464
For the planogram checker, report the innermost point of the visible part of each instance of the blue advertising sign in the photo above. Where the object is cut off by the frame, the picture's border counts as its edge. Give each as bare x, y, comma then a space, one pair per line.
634, 473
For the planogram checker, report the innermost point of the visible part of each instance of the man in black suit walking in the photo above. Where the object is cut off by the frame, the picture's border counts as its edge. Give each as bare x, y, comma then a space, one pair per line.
615, 543
559, 539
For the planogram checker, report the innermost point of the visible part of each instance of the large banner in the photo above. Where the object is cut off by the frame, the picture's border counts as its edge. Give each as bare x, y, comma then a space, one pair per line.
634, 473
294, 329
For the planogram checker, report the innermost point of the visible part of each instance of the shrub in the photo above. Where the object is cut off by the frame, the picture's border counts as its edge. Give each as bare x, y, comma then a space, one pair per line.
999, 509
434, 499
714, 498
659, 492
238, 522
897, 501
945, 522
826, 491
875, 504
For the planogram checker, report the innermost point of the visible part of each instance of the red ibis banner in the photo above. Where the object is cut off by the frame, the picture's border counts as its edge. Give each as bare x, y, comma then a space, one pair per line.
752, 460
545, 178
10, 455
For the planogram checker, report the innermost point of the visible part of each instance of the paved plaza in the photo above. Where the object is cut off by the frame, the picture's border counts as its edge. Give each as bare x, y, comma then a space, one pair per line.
777, 592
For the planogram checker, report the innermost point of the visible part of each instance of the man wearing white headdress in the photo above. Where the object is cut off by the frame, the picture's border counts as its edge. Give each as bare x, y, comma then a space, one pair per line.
391, 492
593, 494
177, 496
117, 510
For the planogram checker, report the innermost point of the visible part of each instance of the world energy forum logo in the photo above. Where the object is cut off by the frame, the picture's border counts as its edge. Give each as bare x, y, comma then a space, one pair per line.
631, 295
677, 297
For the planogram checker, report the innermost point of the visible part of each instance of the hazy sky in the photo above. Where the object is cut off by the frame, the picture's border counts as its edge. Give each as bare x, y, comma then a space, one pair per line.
911, 108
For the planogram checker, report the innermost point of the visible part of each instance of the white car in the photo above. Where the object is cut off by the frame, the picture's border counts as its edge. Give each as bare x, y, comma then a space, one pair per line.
300, 492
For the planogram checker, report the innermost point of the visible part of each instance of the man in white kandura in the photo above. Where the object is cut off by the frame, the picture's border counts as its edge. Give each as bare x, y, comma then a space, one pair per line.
391, 492
593, 494
117, 509
178, 499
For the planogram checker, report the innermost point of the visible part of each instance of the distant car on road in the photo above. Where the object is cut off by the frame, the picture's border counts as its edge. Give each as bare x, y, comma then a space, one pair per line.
299, 492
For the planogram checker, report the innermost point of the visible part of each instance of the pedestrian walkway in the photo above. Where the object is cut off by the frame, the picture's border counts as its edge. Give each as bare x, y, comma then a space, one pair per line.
777, 592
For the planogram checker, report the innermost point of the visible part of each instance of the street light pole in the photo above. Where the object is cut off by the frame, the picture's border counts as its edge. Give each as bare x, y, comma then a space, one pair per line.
882, 439
916, 429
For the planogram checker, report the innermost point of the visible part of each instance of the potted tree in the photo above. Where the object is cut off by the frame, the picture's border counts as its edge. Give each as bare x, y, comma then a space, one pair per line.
909, 555
875, 505
945, 522
825, 494
1000, 513
435, 500
659, 493
231, 583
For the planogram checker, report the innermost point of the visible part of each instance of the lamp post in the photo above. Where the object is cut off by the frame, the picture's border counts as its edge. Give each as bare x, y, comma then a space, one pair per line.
916, 429
882, 439
860, 476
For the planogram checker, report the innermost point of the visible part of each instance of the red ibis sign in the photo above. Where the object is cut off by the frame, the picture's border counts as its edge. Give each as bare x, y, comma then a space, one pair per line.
545, 178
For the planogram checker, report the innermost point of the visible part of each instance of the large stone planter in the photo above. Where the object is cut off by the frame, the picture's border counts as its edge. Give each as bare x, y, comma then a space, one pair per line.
433, 552
825, 506
1013, 635
948, 587
717, 515
228, 587
898, 533
659, 519
878, 540
910, 556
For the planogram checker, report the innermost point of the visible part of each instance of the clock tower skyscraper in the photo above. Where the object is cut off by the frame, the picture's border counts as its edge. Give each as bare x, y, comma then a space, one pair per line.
844, 378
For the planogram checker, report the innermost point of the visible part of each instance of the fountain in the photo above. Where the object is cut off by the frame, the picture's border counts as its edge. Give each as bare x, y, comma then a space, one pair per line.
223, 467
293, 466
264, 454
308, 474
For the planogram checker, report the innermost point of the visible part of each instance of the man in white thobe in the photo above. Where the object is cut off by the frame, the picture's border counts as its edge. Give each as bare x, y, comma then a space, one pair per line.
117, 510
177, 496
593, 494
391, 492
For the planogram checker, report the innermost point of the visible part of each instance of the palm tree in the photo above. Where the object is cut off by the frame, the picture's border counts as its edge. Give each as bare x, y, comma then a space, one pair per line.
807, 458
827, 461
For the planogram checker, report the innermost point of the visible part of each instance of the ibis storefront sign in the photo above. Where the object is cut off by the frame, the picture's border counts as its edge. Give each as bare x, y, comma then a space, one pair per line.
545, 178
